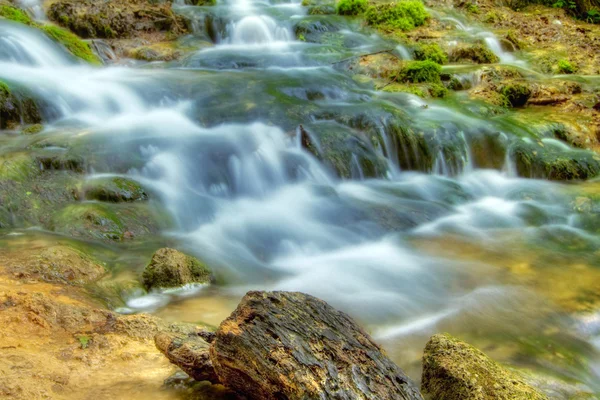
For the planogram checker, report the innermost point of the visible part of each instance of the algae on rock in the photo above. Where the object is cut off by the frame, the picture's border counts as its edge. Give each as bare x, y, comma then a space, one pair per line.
454, 370
171, 268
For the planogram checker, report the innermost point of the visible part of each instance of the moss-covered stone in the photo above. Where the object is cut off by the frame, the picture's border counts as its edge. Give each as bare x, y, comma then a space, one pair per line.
477, 53
171, 268
351, 7
106, 221
32, 129
419, 71
66, 265
16, 108
454, 370
115, 190
403, 15
115, 19
17, 167
14, 14
72, 43
534, 160
516, 93
432, 52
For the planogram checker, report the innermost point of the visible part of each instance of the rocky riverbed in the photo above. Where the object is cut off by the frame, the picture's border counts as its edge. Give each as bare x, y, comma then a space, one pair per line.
420, 167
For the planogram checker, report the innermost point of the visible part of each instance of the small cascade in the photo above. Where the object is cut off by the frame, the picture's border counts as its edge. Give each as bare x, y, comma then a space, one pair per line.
28, 47
257, 30
35, 8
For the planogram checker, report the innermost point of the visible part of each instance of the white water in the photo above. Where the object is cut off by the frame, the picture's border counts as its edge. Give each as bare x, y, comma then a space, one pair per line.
267, 215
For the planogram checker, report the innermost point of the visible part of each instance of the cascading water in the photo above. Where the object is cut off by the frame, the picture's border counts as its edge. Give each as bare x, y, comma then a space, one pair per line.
408, 254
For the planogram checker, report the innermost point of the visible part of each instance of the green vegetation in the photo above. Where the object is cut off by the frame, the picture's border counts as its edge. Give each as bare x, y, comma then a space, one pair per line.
15, 14
72, 43
419, 71
437, 90
473, 8
351, 7
476, 53
431, 52
516, 94
32, 129
69, 40
565, 67
84, 341
4, 91
404, 15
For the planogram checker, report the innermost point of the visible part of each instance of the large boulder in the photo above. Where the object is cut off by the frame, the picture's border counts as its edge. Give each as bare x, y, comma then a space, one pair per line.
171, 268
288, 345
454, 370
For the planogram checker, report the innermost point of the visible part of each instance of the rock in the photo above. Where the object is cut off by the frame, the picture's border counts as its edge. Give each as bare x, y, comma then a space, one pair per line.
454, 370
16, 108
62, 264
172, 268
108, 221
114, 190
115, 19
288, 345
190, 353
476, 53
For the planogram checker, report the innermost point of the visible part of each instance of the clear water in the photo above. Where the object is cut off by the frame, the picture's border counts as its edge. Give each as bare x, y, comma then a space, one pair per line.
504, 262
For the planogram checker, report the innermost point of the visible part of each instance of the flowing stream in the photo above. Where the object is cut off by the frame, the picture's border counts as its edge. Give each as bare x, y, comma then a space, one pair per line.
432, 243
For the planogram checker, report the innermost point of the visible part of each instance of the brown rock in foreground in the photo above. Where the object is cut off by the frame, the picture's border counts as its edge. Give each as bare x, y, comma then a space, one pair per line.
288, 345
455, 370
189, 352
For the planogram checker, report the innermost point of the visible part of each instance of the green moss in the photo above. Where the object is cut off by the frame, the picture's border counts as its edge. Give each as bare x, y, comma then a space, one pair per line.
432, 52
516, 94
4, 91
404, 15
454, 370
565, 67
512, 37
114, 190
437, 90
72, 43
419, 71
477, 53
84, 341
473, 8
491, 17
32, 129
17, 167
403, 88
351, 7
15, 14
206, 2
171, 268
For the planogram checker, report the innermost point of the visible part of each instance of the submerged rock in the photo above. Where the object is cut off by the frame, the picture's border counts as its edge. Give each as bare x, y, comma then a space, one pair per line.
288, 345
114, 190
454, 370
171, 268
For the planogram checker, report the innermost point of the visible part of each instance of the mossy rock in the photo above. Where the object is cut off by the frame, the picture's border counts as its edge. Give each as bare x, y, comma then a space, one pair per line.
107, 221
533, 160
455, 370
116, 292
14, 14
516, 93
344, 150
419, 71
171, 268
432, 52
156, 52
115, 19
17, 167
66, 265
72, 43
114, 190
352, 7
16, 107
404, 15
477, 53
32, 129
